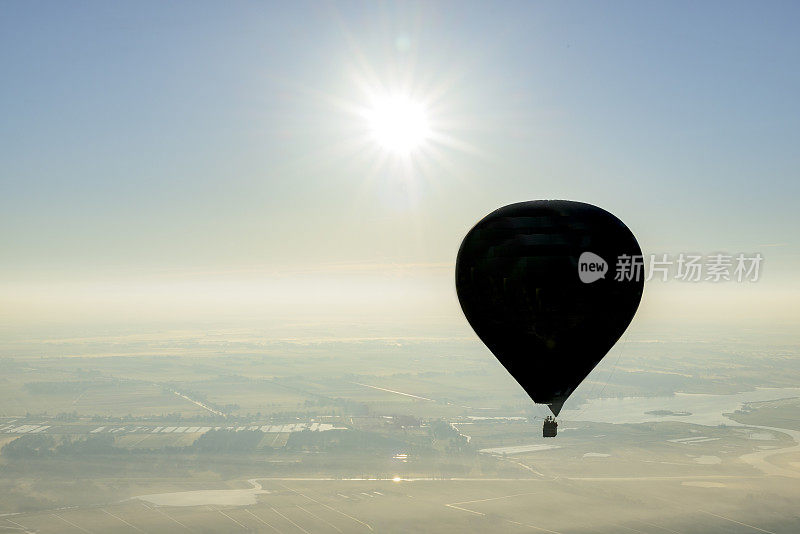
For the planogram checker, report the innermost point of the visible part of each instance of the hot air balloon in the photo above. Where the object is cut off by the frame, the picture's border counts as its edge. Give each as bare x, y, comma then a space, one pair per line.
539, 283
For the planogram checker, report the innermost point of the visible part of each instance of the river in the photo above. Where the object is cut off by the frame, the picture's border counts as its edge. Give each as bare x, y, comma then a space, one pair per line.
702, 409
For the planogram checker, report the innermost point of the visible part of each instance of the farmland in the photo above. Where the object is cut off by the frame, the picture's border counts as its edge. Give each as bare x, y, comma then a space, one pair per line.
328, 438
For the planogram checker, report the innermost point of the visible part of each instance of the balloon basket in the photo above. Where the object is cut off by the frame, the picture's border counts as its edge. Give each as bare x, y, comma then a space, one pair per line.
550, 428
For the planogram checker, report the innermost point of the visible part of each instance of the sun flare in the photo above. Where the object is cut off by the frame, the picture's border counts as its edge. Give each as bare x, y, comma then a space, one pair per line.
398, 124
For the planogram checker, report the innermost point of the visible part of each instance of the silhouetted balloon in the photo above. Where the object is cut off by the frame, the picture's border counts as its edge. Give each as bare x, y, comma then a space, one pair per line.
548, 320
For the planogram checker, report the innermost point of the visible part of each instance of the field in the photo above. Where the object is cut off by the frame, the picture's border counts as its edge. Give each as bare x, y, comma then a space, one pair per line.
424, 379
672, 477
189, 433
673, 504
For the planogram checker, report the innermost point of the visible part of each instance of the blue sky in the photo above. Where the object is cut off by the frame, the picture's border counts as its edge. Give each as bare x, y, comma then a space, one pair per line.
149, 146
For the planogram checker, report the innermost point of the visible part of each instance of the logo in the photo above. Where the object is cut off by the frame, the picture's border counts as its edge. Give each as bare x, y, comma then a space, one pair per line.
591, 267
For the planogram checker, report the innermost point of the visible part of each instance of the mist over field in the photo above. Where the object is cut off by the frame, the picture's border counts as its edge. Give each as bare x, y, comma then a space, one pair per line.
227, 430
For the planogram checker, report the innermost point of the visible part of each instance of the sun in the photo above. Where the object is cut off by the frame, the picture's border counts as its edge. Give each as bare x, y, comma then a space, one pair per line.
398, 124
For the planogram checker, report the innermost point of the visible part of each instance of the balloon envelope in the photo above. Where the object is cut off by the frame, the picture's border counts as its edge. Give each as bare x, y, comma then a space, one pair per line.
537, 282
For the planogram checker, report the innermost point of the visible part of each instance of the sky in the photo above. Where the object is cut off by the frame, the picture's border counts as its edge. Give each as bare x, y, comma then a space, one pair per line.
213, 162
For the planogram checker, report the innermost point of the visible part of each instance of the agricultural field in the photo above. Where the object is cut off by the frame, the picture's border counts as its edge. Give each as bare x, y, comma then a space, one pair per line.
198, 435
532, 505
